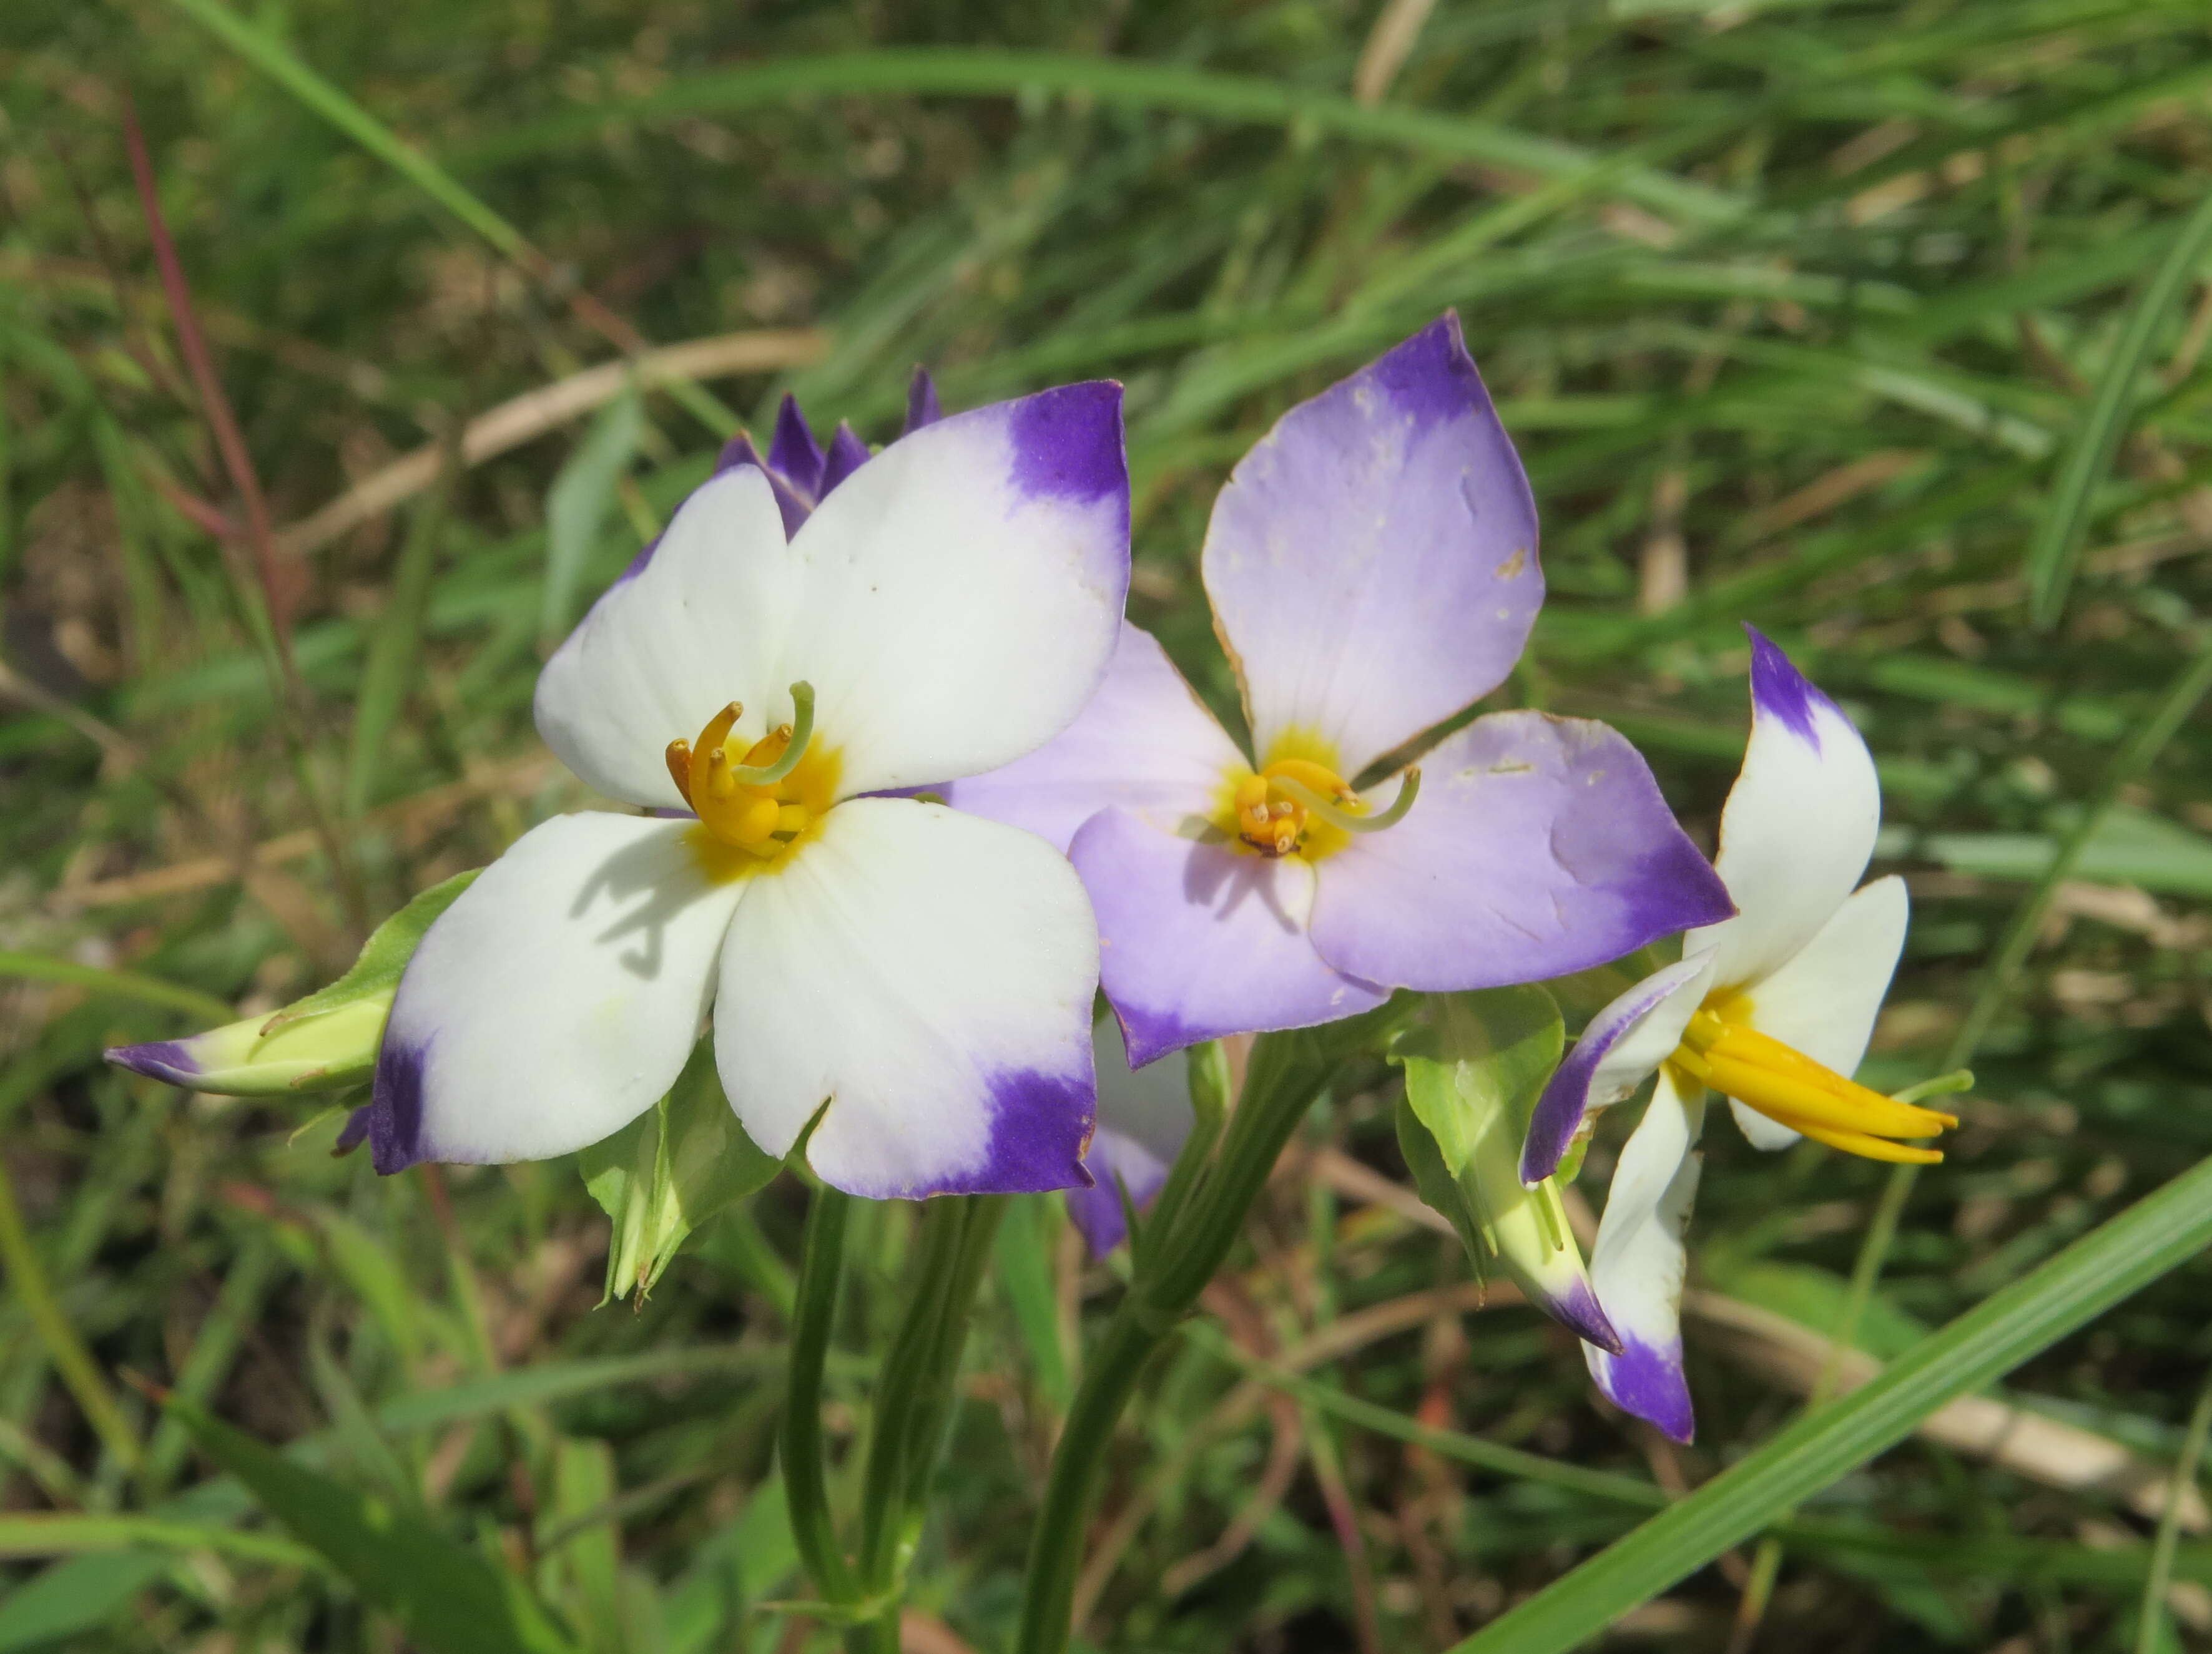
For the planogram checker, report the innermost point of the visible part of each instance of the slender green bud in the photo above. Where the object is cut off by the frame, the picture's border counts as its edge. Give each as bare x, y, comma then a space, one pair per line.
322, 1043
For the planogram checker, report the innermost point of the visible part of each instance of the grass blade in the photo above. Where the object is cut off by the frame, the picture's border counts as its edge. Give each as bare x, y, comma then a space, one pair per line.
47, 1534
448, 1598
2052, 554
958, 72
27, 1280
2105, 1266
388, 672
116, 985
577, 504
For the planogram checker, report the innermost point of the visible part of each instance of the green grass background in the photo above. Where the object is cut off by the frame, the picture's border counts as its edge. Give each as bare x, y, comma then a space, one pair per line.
1801, 314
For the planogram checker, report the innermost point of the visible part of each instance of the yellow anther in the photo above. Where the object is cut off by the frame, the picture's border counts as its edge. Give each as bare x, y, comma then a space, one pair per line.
1791, 1089
679, 767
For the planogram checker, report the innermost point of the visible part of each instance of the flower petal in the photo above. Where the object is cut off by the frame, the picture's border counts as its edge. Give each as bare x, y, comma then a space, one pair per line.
1636, 1265
1538, 845
701, 624
1143, 1115
965, 587
1372, 563
1143, 742
1621, 1048
556, 1000
1800, 823
1824, 1001
1197, 941
929, 976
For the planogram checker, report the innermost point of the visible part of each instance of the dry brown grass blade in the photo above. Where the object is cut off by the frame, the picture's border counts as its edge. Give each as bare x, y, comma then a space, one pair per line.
279, 589
530, 416
423, 813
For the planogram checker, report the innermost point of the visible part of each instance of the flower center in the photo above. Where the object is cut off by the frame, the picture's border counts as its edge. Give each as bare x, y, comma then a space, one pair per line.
1299, 805
1721, 1049
765, 799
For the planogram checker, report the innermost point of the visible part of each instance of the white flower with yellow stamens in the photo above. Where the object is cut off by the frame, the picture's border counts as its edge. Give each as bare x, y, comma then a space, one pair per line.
914, 983
1772, 1008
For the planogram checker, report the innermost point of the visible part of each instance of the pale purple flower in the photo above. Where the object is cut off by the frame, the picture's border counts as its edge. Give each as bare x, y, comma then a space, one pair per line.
914, 982
1372, 567
1773, 1008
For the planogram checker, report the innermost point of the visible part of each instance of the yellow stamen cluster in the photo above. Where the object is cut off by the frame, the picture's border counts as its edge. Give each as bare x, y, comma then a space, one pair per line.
1720, 1049
764, 820
1271, 821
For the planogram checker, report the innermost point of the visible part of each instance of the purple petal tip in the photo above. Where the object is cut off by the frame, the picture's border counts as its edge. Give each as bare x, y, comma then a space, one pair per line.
165, 1059
1041, 1124
355, 1131
1430, 375
395, 1109
1781, 691
1067, 442
1579, 1312
1648, 1383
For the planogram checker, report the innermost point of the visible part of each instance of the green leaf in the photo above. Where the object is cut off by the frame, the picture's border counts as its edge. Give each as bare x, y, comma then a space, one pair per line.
577, 505
444, 1596
2096, 1272
669, 1170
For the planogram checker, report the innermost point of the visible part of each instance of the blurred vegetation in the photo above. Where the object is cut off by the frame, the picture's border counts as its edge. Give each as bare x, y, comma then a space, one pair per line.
1795, 311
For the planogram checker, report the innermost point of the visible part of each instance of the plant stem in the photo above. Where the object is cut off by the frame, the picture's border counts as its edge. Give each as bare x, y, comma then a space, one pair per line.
813, 1317
1287, 1072
916, 1395
2150, 1627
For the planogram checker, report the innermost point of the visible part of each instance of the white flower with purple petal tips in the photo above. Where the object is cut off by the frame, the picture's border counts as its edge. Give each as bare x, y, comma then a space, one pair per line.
1372, 566
1773, 1008
937, 611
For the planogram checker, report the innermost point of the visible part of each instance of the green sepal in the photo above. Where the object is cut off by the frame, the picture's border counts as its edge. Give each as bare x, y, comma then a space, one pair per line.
668, 1170
1474, 1073
383, 957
